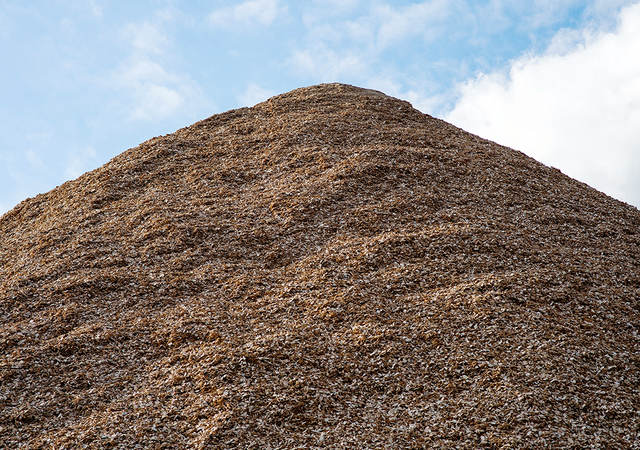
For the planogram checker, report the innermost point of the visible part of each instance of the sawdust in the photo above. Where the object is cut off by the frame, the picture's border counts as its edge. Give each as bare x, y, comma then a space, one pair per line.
330, 268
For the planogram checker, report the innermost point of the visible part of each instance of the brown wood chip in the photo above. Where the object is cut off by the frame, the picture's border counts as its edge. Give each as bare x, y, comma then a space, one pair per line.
330, 268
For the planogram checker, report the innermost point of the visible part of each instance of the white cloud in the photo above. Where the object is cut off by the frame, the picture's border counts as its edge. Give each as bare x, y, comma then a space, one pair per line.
96, 8
496, 15
576, 107
154, 91
80, 162
254, 94
423, 19
351, 48
136, 71
603, 9
156, 101
329, 8
337, 4
262, 12
325, 64
146, 37
384, 24
547, 12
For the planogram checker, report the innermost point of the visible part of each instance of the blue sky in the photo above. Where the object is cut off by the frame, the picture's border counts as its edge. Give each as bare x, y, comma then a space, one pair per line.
84, 80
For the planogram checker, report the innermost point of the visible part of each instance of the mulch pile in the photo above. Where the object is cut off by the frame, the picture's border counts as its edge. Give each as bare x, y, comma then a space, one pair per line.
330, 268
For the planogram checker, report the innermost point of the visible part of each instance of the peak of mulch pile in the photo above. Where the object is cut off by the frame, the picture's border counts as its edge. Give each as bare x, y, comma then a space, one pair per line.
330, 268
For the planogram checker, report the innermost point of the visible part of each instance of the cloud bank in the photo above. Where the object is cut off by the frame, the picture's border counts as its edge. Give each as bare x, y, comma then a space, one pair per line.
575, 107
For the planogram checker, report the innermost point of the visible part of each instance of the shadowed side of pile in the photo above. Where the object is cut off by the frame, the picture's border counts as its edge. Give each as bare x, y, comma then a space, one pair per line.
330, 267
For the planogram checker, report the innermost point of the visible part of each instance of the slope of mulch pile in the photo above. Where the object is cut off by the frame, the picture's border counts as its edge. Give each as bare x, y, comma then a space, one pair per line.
328, 268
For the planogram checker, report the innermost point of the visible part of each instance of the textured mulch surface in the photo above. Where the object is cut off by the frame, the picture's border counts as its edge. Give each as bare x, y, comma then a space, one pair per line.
330, 268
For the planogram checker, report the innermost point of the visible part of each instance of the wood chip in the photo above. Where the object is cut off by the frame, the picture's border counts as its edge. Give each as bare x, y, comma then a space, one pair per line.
330, 268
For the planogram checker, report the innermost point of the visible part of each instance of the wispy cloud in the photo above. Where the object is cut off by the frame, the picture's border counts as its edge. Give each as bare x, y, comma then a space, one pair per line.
95, 7
577, 106
146, 37
253, 94
80, 162
604, 10
360, 47
261, 12
419, 19
379, 25
154, 90
329, 8
155, 93
326, 64
543, 13
381, 39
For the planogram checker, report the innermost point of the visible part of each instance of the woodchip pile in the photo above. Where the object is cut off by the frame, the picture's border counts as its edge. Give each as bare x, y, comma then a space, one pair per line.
330, 268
